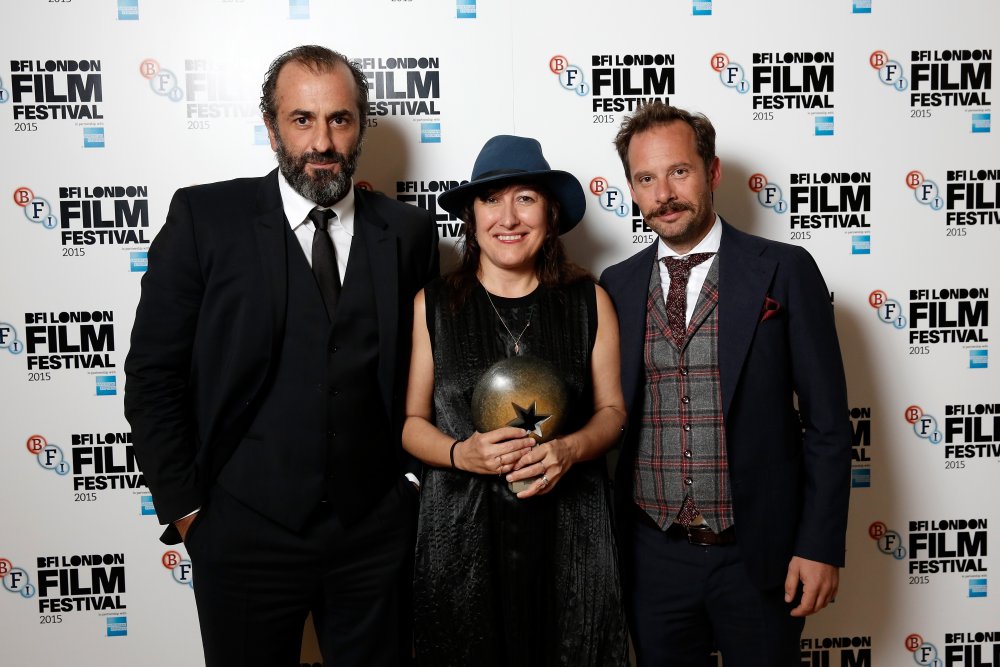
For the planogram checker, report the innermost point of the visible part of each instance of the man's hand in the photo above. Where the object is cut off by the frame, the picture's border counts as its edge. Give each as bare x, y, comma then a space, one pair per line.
819, 584
182, 525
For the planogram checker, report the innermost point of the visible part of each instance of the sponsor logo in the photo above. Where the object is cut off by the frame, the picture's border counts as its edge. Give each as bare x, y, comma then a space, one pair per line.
701, 7
861, 6
298, 9
128, 10
465, 9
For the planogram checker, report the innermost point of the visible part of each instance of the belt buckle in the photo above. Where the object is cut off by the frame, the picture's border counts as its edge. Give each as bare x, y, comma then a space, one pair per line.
691, 533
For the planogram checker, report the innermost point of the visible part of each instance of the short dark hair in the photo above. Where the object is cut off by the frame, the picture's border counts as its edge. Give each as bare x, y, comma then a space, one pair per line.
552, 266
318, 59
657, 113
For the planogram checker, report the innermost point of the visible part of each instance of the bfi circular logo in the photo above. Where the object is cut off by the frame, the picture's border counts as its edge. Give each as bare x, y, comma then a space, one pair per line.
9, 340
48, 455
4, 93
610, 197
36, 209
888, 311
924, 653
768, 194
924, 191
571, 76
16, 579
730, 74
924, 425
180, 567
887, 541
890, 72
163, 82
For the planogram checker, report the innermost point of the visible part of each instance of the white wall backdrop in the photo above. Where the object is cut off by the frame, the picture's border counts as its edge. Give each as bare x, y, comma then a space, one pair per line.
859, 129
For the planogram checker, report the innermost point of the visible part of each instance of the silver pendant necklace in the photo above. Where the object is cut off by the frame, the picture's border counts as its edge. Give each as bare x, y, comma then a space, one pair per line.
515, 339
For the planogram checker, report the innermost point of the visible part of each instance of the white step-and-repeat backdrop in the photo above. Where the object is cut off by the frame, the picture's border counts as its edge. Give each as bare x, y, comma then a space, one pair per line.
859, 129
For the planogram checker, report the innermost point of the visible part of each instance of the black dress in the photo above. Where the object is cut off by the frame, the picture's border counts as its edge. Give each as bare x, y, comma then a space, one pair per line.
501, 581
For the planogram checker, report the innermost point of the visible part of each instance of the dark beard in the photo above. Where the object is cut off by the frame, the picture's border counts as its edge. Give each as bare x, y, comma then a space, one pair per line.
325, 188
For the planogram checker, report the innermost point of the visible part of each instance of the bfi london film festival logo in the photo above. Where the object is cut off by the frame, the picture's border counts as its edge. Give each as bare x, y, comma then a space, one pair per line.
405, 87
961, 649
91, 583
613, 199
861, 442
936, 317
956, 547
842, 650
180, 567
57, 90
971, 197
618, 82
424, 194
212, 91
802, 80
71, 341
971, 432
98, 463
105, 215
820, 203
16, 579
950, 78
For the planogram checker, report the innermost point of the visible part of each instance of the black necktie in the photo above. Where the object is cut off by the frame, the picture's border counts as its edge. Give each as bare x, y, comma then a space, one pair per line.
324, 261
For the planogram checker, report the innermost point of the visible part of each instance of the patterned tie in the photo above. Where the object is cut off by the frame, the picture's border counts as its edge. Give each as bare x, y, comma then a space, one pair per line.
324, 261
680, 270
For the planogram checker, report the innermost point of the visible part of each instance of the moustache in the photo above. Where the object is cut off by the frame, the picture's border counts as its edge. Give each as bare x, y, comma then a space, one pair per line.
326, 157
668, 208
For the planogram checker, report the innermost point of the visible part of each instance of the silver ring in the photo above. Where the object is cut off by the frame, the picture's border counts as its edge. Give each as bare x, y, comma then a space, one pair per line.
545, 480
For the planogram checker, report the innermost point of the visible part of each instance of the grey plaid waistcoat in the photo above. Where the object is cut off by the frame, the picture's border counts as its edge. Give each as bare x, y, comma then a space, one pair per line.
682, 438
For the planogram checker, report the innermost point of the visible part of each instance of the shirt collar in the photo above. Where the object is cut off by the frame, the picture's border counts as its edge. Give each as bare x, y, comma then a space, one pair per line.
297, 207
710, 243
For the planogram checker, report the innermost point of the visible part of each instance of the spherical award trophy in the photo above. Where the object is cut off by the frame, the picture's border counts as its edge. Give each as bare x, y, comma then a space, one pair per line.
525, 392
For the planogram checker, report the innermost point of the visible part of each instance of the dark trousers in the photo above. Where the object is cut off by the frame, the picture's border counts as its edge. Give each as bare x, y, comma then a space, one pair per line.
255, 582
685, 600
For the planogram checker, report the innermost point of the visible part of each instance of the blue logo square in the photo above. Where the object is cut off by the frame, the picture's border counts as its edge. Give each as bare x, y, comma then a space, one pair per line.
260, 137
980, 122
128, 10
824, 126
298, 9
138, 261
977, 588
117, 626
93, 137
107, 385
979, 358
430, 133
861, 244
465, 9
701, 7
146, 506
862, 7
861, 478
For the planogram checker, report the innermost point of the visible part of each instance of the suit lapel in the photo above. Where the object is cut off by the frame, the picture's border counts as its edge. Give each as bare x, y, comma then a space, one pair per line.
382, 255
269, 227
744, 279
632, 298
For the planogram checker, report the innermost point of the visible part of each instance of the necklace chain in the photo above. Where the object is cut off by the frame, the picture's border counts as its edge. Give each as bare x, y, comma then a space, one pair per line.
516, 339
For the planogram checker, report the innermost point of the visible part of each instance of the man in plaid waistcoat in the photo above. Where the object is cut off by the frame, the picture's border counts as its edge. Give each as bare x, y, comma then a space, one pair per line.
732, 504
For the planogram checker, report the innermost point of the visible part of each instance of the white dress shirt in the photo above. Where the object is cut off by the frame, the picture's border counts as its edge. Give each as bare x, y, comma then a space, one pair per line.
341, 227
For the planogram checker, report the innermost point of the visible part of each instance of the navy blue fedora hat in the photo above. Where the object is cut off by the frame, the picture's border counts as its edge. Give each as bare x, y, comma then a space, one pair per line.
509, 158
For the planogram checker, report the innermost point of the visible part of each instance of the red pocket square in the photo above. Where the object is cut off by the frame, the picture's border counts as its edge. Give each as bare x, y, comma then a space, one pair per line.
771, 309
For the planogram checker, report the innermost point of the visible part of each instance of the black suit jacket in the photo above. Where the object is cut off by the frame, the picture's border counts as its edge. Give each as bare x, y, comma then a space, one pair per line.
790, 479
211, 318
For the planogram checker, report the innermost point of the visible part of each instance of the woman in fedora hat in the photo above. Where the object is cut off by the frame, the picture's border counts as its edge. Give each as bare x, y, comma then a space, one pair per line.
515, 561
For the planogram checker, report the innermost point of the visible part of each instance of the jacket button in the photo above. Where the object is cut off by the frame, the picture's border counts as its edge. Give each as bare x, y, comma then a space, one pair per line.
688, 481
685, 400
